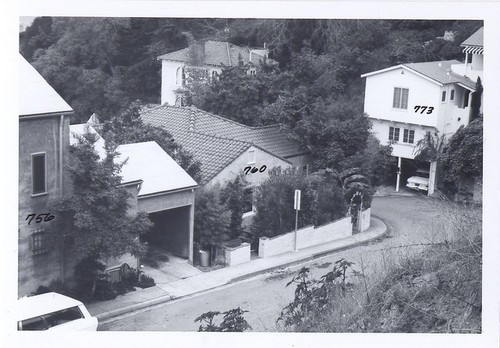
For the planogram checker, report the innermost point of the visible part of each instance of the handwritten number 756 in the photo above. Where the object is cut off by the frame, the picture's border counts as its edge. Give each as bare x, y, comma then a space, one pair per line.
423, 108
39, 218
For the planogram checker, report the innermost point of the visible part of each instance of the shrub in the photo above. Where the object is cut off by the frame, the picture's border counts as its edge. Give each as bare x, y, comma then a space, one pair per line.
232, 321
104, 289
146, 282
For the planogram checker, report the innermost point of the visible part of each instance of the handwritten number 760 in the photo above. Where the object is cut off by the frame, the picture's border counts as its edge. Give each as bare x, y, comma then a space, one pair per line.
39, 218
423, 108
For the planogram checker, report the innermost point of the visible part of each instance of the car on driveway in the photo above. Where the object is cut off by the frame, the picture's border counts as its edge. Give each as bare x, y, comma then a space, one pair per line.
420, 181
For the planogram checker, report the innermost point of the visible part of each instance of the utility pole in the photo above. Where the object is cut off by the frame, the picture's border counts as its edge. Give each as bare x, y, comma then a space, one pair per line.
296, 206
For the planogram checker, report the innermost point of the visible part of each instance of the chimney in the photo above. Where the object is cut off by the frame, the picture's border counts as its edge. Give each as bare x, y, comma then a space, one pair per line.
250, 58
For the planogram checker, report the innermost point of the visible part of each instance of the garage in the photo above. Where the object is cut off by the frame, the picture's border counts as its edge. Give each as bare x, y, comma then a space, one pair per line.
170, 231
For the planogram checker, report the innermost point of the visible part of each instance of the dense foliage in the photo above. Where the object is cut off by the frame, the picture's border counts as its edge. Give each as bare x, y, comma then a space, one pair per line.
101, 64
321, 201
462, 157
211, 219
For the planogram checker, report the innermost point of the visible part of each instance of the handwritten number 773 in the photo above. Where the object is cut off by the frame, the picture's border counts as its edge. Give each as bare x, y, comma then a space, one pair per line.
39, 218
423, 108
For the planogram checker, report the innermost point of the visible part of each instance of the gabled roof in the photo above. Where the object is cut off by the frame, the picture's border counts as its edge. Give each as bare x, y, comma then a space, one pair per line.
475, 39
438, 72
148, 162
76, 130
216, 53
216, 141
36, 96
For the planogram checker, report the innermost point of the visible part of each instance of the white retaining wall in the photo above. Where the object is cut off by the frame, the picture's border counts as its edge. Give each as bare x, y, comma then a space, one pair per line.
366, 216
307, 236
237, 255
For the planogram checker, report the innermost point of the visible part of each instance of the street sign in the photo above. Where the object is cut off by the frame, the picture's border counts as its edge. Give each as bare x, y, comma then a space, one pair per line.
296, 201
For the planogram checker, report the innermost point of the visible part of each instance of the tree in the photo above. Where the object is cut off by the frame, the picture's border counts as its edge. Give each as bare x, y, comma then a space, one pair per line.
211, 219
128, 128
475, 108
234, 199
462, 157
98, 208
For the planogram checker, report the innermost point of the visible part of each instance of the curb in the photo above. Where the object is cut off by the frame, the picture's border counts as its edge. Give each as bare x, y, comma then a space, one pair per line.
107, 316
313, 256
132, 308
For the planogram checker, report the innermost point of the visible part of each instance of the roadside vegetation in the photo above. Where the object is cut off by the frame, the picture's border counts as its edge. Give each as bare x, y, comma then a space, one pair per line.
427, 287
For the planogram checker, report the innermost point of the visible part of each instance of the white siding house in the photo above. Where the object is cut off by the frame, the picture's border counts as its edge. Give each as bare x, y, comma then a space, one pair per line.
408, 101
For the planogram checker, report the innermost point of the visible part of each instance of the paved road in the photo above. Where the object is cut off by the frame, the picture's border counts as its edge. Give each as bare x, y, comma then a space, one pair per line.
411, 220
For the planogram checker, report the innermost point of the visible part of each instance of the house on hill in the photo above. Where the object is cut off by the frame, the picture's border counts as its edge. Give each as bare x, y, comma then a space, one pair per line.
209, 57
410, 101
224, 147
44, 119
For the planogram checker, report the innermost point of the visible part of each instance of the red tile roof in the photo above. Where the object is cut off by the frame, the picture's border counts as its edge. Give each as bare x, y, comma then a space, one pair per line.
216, 141
217, 53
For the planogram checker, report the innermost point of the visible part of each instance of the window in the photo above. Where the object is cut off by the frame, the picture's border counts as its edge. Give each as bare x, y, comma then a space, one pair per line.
443, 96
452, 94
400, 98
466, 99
393, 134
38, 242
251, 156
180, 77
469, 58
408, 136
248, 200
38, 173
49, 320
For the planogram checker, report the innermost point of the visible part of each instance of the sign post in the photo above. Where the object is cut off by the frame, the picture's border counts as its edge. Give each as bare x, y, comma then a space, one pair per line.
296, 206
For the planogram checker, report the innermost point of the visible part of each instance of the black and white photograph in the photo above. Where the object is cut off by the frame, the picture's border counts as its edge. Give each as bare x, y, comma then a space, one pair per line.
255, 175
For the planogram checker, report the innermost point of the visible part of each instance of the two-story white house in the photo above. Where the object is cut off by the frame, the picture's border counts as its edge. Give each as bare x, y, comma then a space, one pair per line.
408, 101
207, 58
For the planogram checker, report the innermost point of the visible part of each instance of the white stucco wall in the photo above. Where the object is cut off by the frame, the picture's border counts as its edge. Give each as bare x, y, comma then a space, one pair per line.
169, 79
379, 97
306, 237
238, 165
381, 130
237, 255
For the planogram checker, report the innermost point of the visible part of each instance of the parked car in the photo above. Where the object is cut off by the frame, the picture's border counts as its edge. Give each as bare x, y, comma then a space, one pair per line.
420, 181
53, 311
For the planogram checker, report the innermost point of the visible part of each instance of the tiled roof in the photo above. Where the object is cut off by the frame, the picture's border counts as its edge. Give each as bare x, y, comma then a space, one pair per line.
214, 153
475, 39
215, 141
271, 138
216, 53
36, 96
441, 72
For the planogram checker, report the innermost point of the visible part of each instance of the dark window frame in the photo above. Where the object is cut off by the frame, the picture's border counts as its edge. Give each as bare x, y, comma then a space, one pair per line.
34, 174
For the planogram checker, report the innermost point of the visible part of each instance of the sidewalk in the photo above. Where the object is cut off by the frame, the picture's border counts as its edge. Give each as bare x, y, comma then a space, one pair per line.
202, 282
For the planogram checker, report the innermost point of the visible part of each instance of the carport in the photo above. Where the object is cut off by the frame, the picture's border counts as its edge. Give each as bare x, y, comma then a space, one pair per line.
166, 194
407, 168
